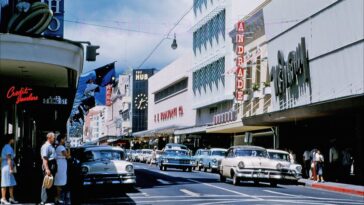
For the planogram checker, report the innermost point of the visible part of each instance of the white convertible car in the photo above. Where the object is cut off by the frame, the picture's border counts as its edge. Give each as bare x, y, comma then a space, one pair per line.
250, 163
294, 171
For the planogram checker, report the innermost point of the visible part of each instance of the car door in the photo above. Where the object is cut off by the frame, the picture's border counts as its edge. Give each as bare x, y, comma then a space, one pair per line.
226, 163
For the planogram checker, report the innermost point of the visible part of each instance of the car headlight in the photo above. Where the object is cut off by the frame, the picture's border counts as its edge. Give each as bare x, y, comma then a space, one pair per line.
279, 166
129, 168
241, 165
165, 160
84, 170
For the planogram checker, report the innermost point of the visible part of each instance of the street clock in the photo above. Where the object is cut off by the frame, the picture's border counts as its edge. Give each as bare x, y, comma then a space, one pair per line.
141, 101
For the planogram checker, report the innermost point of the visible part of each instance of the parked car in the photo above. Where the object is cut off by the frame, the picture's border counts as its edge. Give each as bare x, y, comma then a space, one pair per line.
175, 158
294, 171
197, 158
145, 154
136, 155
211, 161
250, 163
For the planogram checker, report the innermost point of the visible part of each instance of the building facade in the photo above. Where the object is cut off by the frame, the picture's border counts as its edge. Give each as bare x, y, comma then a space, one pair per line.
316, 73
169, 102
94, 129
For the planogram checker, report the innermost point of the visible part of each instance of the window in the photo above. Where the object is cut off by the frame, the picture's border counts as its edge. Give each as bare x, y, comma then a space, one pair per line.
257, 71
171, 90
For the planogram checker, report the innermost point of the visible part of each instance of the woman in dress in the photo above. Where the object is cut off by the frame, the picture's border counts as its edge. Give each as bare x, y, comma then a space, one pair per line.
62, 154
7, 171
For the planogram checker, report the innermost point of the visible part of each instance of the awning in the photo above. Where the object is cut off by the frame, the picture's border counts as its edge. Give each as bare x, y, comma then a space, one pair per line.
337, 106
191, 130
168, 130
234, 127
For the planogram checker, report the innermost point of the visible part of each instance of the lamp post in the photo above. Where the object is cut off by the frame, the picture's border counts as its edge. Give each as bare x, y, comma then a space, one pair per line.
173, 46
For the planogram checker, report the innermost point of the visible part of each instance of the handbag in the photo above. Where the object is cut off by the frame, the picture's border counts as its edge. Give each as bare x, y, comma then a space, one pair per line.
48, 181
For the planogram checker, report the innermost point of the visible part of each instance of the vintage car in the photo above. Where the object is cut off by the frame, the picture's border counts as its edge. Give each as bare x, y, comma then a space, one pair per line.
175, 158
102, 165
211, 160
197, 158
250, 163
294, 171
175, 146
145, 154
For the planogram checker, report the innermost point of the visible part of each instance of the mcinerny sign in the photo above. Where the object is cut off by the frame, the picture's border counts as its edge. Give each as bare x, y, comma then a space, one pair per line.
286, 73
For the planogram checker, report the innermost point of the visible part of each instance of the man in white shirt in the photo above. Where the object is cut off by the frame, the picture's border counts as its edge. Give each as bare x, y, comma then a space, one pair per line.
48, 155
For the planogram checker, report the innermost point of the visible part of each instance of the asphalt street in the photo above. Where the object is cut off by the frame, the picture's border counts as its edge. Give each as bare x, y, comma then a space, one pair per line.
178, 187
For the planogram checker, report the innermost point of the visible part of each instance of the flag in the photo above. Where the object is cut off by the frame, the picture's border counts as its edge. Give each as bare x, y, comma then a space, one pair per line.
105, 74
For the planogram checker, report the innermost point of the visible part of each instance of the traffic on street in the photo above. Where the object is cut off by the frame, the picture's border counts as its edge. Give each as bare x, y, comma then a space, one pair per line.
177, 187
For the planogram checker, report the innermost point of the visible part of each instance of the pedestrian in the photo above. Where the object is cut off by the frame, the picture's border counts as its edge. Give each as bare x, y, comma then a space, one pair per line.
306, 163
346, 162
154, 156
60, 179
313, 175
334, 162
319, 166
292, 157
48, 155
8, 168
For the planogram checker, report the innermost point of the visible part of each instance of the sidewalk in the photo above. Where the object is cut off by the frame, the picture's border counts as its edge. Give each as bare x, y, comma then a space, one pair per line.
336, 187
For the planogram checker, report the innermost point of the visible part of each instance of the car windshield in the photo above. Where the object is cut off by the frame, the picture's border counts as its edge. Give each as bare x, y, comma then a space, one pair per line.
218, 153
176, 152
250, 153
279, 156
95, 155
205, 152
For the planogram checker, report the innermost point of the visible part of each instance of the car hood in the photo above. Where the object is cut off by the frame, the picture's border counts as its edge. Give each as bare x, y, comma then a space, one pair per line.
176, 157
107, 167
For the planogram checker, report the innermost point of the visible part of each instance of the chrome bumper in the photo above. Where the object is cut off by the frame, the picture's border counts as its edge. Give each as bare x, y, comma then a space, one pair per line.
90, 180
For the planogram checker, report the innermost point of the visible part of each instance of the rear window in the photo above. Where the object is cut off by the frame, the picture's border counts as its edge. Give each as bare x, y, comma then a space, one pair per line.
96, 155
218, 153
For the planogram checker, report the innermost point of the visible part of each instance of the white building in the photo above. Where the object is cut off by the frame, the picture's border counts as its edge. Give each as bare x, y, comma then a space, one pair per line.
316, 51
95, 125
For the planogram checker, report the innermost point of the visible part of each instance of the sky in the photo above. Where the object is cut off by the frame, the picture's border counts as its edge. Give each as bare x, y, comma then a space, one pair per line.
128, 30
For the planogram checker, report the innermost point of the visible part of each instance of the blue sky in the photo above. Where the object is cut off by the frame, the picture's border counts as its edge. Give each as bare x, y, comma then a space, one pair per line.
137, 26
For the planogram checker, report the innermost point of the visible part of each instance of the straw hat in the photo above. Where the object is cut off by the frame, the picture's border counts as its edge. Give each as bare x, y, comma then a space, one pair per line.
48, 182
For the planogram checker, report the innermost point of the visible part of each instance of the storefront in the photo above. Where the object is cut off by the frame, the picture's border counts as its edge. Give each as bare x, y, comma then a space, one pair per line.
38, 78
316, 69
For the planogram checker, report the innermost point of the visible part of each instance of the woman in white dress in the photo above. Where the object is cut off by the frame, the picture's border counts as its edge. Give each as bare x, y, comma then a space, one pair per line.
60, 180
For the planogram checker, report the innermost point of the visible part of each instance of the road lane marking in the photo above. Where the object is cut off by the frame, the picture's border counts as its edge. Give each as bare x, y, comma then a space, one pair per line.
161, 181
190, 193
284, 194
228, 190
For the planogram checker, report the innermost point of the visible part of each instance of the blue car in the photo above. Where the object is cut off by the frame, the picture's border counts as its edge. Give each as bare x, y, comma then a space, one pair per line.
175, 158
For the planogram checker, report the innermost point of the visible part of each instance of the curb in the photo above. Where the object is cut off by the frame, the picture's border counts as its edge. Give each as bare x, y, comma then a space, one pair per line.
334, 188
338, 189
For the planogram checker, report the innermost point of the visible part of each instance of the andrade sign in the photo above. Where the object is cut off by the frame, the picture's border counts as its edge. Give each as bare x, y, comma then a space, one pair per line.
239, 71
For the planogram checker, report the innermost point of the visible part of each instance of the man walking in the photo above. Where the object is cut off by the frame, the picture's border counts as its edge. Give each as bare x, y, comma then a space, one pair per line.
48, 154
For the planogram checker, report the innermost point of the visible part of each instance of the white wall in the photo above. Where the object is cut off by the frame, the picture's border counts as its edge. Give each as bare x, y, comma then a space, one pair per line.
335, 75
173, 72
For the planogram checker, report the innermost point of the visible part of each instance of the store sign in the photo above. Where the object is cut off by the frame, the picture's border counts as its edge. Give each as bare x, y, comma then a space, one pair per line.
140, 75
55, 28
225, 117
169, 114
239, 71
286, 74
22, 95
108, 95
55, 100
